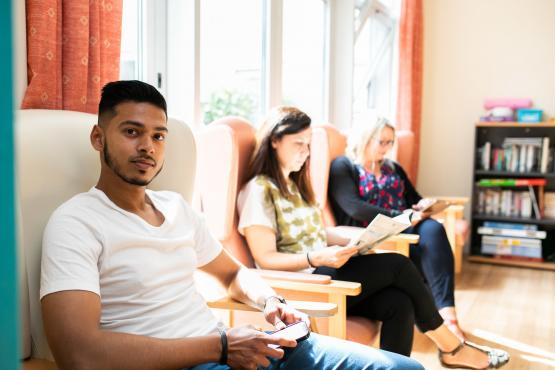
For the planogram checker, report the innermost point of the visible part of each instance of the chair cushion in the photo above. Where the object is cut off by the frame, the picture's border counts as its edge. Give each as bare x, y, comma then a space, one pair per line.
235, 139
362, 330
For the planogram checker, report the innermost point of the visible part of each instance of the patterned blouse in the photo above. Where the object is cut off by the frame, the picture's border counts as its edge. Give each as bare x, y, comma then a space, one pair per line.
387, 191
298, 225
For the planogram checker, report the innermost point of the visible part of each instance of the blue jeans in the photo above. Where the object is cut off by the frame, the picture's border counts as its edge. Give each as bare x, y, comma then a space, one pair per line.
434, 258
321, 352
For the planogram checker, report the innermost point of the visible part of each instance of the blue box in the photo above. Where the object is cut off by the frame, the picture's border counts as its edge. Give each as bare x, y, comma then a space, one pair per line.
529, 115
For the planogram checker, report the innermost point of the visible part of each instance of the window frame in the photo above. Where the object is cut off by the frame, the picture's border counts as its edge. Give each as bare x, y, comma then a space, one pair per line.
340, 32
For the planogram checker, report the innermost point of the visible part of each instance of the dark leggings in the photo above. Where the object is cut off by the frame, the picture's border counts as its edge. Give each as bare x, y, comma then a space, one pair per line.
394, 293
434, 259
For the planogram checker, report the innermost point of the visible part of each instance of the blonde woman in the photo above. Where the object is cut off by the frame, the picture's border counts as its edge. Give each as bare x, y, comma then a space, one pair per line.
368, 184
284, 231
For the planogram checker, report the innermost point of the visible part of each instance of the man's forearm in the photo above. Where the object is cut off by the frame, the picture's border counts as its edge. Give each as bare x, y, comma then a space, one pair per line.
248, 287
110, 350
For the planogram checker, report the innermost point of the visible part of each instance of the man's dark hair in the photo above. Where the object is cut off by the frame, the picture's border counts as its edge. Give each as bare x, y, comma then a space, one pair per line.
117, 92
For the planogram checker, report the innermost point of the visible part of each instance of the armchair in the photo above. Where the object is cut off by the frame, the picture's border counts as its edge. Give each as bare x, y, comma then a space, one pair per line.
327, 144
219, 180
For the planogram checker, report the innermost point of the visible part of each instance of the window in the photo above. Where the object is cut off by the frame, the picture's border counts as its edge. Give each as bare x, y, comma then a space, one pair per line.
130, 55
303, 56
230, 58
212, 58
374, 74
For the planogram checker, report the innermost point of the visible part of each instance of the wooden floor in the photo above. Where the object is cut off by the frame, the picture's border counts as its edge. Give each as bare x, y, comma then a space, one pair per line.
505, 307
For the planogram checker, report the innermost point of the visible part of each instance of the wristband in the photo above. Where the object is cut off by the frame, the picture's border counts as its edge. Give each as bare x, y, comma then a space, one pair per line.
308, 259
223, 339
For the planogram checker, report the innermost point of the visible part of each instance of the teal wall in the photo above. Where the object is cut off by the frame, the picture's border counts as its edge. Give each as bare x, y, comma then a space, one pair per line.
9, 320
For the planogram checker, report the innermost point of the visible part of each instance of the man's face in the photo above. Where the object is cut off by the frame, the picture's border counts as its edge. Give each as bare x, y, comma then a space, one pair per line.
134, 142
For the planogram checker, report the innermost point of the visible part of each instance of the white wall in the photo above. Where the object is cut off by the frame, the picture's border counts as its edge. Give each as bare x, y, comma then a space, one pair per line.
475, 49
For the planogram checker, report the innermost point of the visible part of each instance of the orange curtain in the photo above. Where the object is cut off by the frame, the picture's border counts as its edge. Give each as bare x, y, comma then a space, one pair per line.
409, 102
73, 49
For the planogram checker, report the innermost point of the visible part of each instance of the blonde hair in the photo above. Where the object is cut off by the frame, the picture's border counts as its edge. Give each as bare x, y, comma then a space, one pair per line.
363, 137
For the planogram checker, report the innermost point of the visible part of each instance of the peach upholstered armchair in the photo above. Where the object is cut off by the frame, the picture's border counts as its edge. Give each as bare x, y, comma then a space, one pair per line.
220, 177
327, 144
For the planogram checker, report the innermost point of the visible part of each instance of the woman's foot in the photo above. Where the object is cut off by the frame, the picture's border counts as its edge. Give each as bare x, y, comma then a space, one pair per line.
453, 325
471, 356
449, 316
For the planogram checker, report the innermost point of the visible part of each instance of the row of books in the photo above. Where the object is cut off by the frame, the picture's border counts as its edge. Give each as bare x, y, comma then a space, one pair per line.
509, 203
505, 239
531, 154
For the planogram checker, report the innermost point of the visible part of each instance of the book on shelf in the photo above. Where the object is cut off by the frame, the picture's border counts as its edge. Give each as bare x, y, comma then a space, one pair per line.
511, 182
545, 155
511, 246
510, 225
549, 205
508, 203
510, 232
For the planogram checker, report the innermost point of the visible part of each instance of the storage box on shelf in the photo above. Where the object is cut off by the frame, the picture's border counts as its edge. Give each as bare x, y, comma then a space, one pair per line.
513, 204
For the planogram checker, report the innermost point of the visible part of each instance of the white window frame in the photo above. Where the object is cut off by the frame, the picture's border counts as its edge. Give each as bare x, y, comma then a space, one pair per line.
159, 56
387, 49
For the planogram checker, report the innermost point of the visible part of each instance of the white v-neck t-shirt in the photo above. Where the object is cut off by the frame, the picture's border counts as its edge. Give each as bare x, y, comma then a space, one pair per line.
142, 273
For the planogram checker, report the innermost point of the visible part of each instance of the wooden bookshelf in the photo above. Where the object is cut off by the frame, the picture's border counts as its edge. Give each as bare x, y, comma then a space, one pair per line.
507, 262
490, 173
518, 220
515, 124
495, 133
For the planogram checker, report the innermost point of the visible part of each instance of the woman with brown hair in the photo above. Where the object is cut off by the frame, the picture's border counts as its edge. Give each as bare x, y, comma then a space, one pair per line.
284, 230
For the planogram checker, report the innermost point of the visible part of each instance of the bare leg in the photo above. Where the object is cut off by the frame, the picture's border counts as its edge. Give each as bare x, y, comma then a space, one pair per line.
449, 315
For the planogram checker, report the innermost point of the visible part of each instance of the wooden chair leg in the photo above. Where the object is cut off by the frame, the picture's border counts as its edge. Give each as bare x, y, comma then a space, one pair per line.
314, 325
338, 322
231, 318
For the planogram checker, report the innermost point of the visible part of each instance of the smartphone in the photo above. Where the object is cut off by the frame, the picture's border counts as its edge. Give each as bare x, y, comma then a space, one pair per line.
298, 331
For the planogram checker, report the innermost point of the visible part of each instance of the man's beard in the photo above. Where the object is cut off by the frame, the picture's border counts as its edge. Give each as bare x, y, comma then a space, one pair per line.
117, 170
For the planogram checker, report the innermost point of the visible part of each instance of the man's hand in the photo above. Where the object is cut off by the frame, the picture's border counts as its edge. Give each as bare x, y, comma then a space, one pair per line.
248, 348
280, 315
333, 256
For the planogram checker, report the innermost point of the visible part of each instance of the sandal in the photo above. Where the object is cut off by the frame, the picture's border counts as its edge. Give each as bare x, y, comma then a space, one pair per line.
496, 357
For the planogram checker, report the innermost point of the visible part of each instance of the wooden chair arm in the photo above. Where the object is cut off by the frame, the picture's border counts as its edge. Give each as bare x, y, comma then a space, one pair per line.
453, 200
408, 238
336, 287
301, 277
38, 364
313, 309
398, 244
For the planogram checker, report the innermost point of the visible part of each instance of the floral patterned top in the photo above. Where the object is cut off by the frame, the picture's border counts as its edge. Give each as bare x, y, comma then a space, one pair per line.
387, 191
298, 225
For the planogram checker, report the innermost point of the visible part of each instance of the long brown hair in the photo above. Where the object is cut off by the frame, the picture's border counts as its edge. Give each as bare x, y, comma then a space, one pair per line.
280, 122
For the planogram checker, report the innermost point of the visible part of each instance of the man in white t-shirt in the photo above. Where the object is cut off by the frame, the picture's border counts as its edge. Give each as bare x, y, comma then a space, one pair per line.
117, 288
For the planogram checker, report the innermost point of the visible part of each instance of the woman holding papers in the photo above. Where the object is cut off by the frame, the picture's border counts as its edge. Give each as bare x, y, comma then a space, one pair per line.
369, 185
284, 230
